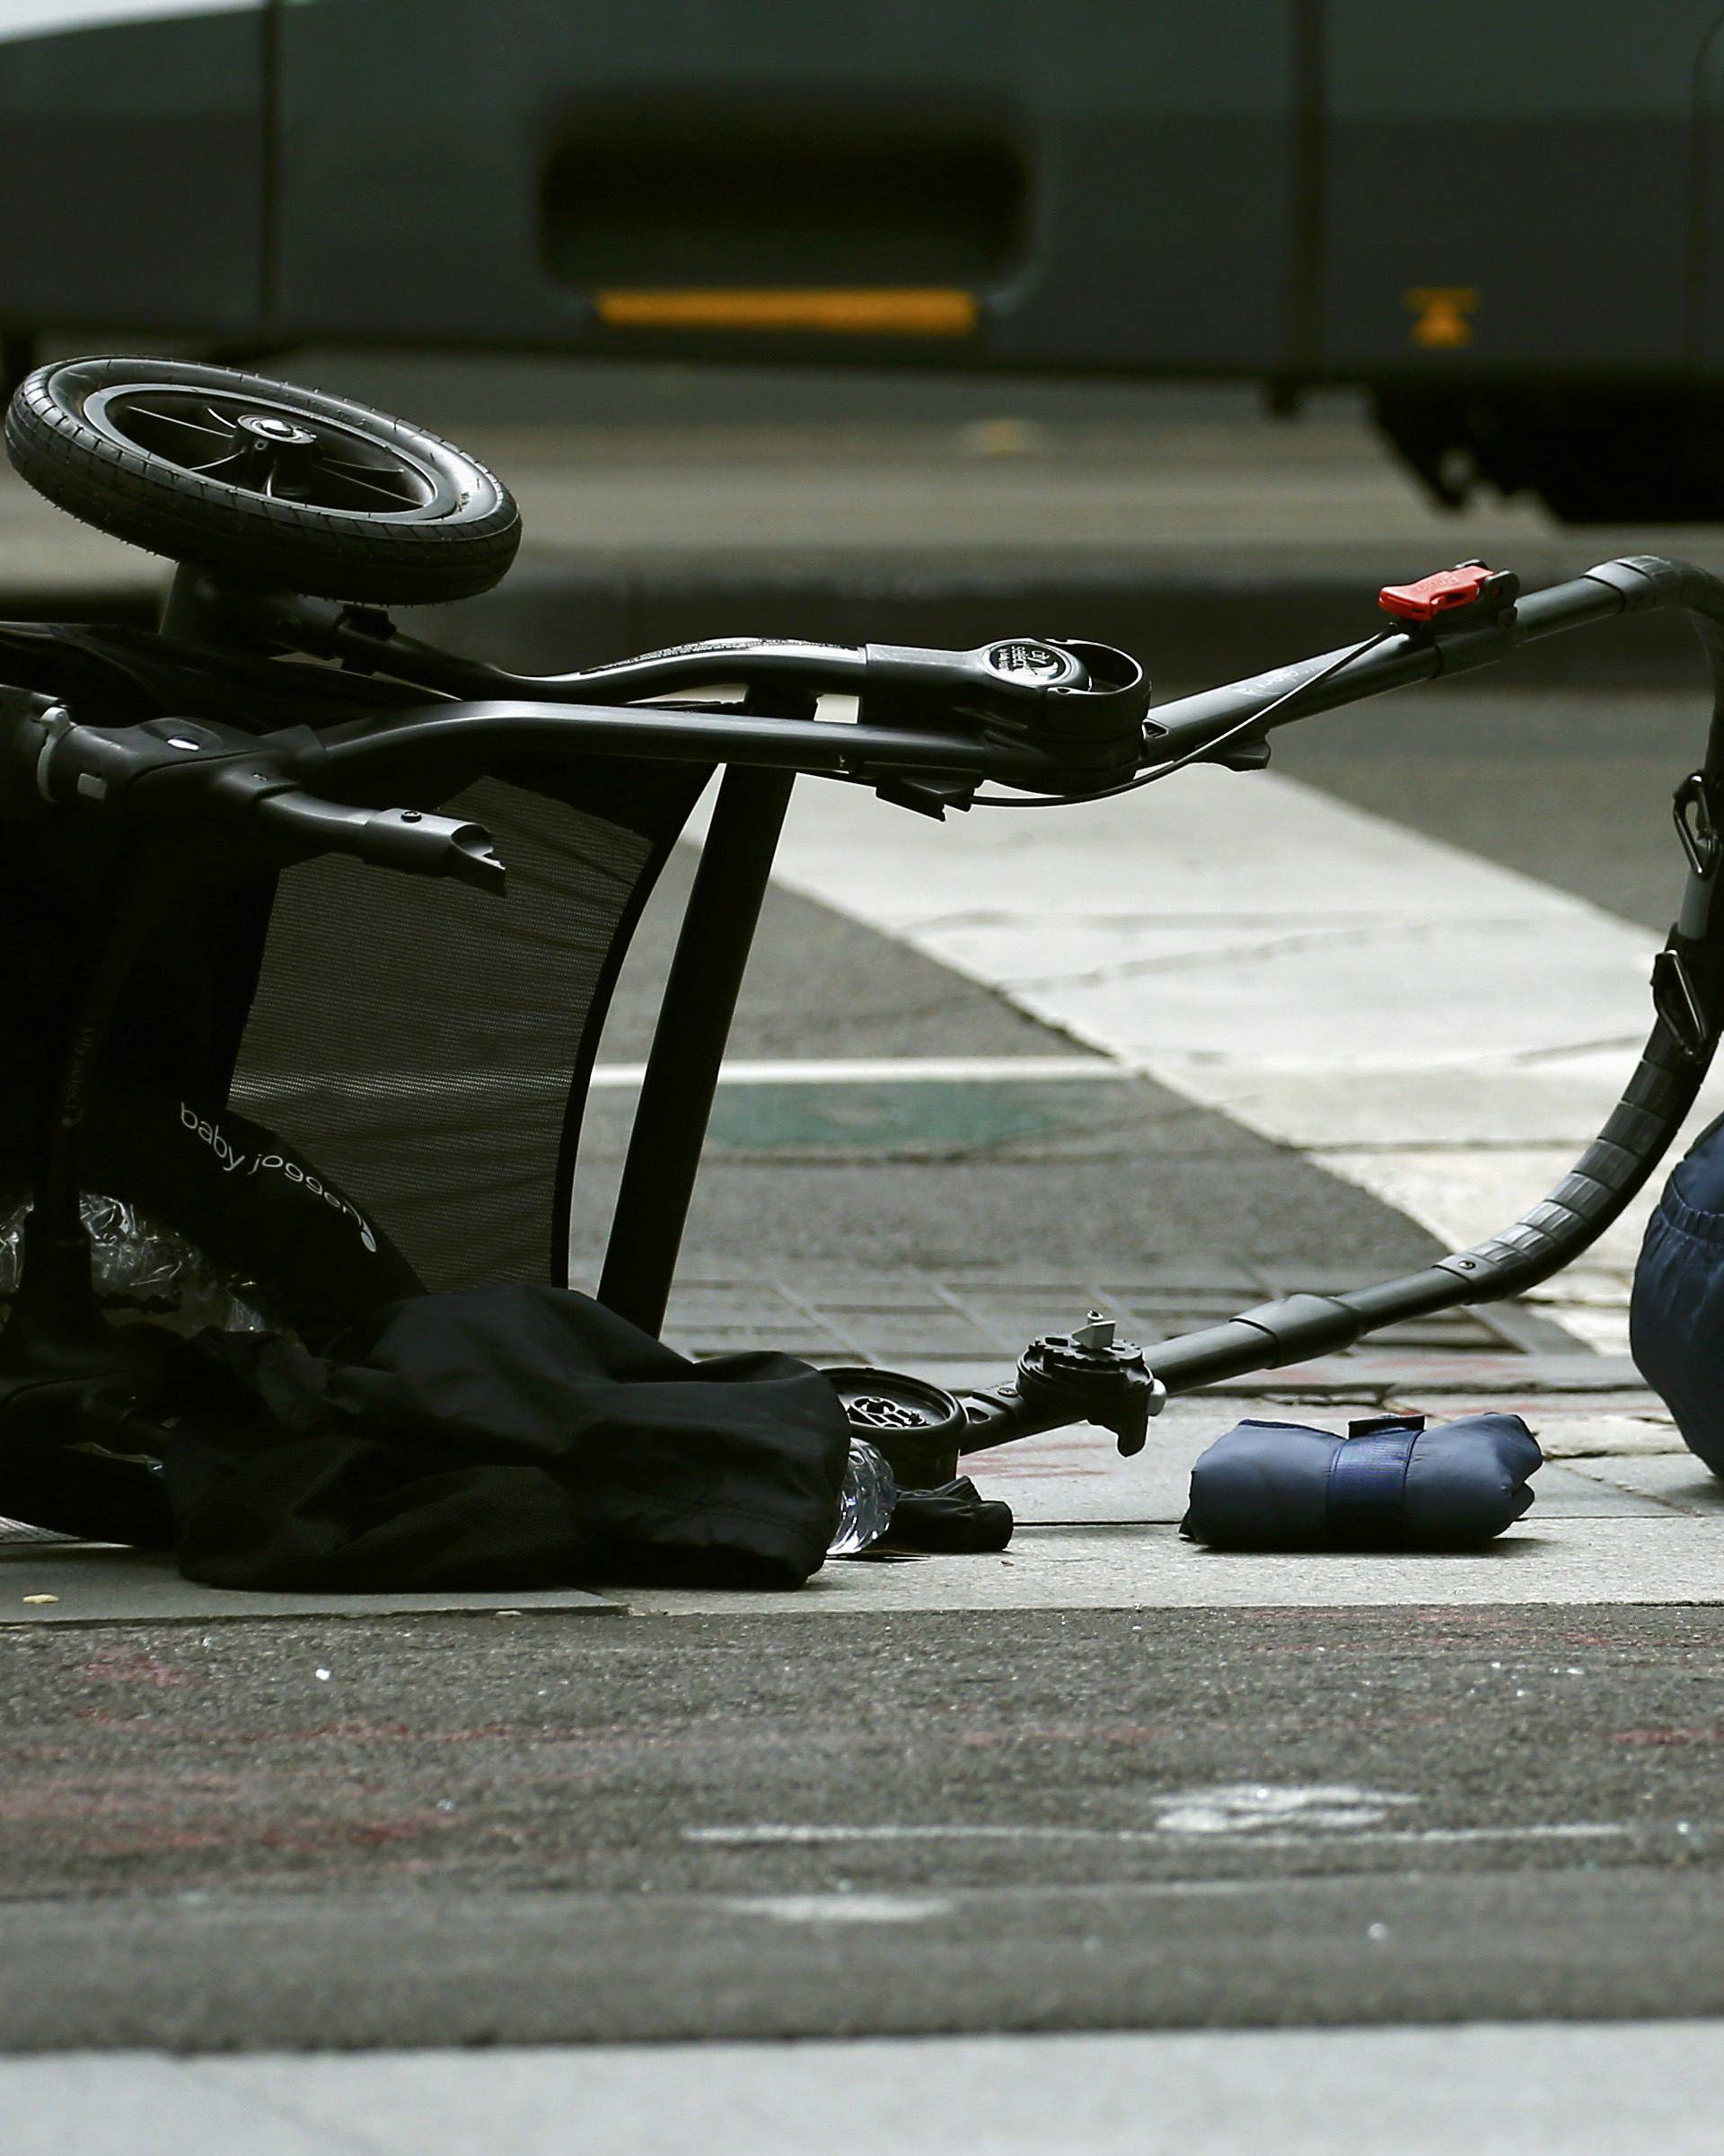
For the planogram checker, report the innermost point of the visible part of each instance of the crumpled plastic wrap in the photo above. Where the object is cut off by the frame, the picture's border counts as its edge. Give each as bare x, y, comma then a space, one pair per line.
136, 1259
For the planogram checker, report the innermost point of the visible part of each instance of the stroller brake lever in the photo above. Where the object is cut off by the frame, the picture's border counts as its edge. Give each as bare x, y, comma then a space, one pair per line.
411, 839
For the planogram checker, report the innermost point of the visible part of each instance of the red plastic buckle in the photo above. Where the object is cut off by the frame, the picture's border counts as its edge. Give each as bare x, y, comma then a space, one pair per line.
1446, 593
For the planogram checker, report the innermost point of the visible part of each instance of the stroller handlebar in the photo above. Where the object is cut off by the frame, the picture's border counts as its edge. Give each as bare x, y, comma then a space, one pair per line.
1082, 704
1451, 643
1049, 716
1056, 720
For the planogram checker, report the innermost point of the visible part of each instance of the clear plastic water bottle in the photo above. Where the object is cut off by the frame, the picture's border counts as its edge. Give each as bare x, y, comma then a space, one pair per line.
866, 1507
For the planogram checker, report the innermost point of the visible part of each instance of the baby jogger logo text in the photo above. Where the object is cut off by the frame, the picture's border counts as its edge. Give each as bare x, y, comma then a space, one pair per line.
236, 1163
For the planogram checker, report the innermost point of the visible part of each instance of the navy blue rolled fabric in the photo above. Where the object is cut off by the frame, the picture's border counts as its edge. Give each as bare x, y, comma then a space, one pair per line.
1676, 1311
1391, 1484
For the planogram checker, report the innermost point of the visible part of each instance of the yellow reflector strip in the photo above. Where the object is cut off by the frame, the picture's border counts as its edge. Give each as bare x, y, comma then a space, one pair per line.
913, 311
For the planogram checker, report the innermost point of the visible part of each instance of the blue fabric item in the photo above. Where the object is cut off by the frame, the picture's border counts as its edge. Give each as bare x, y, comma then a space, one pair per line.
1390, 1483
1367, 1478
1675, 1317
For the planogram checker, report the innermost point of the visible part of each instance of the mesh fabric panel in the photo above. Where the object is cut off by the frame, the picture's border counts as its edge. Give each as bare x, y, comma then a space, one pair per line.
416, 1039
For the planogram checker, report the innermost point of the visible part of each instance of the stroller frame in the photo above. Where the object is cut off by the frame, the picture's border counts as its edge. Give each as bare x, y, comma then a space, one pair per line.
932, 727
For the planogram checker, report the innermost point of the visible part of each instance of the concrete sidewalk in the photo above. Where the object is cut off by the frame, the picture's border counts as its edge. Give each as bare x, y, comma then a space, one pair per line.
1489, 2090
1623, 1513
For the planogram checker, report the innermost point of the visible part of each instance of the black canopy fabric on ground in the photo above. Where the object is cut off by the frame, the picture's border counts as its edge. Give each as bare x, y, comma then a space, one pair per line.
504, 1437
1389, 1483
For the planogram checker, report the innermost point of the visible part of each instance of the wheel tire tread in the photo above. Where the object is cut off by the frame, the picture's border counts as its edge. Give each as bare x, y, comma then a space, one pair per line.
251, 537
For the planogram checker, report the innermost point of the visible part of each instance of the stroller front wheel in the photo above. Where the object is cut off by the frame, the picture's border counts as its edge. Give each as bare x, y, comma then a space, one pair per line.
262, 482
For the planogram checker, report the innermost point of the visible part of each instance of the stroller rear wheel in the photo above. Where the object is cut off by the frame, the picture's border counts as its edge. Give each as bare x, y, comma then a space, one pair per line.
262, 482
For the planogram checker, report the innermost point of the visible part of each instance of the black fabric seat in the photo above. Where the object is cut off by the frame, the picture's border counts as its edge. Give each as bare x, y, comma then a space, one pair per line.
420, 1049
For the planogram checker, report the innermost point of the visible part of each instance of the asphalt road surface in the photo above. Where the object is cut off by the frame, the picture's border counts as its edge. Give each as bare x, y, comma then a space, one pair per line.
504, 1830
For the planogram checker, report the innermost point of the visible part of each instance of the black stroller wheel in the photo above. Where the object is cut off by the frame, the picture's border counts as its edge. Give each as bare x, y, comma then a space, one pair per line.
262, 482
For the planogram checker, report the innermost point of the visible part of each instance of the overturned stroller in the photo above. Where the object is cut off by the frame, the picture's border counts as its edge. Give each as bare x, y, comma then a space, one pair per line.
287, 1145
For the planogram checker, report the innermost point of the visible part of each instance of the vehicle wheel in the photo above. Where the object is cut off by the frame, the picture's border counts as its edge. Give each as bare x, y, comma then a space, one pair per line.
1596, 457
262, 482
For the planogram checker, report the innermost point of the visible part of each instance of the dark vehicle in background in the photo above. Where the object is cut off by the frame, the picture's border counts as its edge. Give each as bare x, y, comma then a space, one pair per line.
1504, 221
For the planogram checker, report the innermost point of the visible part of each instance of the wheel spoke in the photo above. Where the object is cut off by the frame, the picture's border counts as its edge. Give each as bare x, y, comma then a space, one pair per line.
198, 437
350, 478
143, 411
211, 470
376, 475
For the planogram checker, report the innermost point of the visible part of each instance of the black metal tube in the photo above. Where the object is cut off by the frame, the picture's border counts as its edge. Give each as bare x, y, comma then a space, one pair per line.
682, 1073
1271, 1335
835, 667
397, 744
1189, 721
1657, 1101
1400, 661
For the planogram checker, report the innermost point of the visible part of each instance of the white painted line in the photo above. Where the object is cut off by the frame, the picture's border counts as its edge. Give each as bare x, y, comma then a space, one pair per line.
1565, 1833
48, 18
1244, 1806
774, 1834
892, 1070
766, 1835
147, 2104
841, 1908
1440, 1031
398, 1083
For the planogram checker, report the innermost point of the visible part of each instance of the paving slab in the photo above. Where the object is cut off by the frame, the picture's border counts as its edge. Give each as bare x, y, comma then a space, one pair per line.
959, 1314
1095, 1530
1527, 2089
1483, 2091
56, 1582
1077, 1476
1676, 1481
1555, 1559
1575, 1388
147, 2105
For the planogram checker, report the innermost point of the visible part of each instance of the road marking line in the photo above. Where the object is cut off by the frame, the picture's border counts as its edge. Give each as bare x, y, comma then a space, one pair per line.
839, 1071
769, 1836
52, 18
1244, 1806
892, 1070
840, 1908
